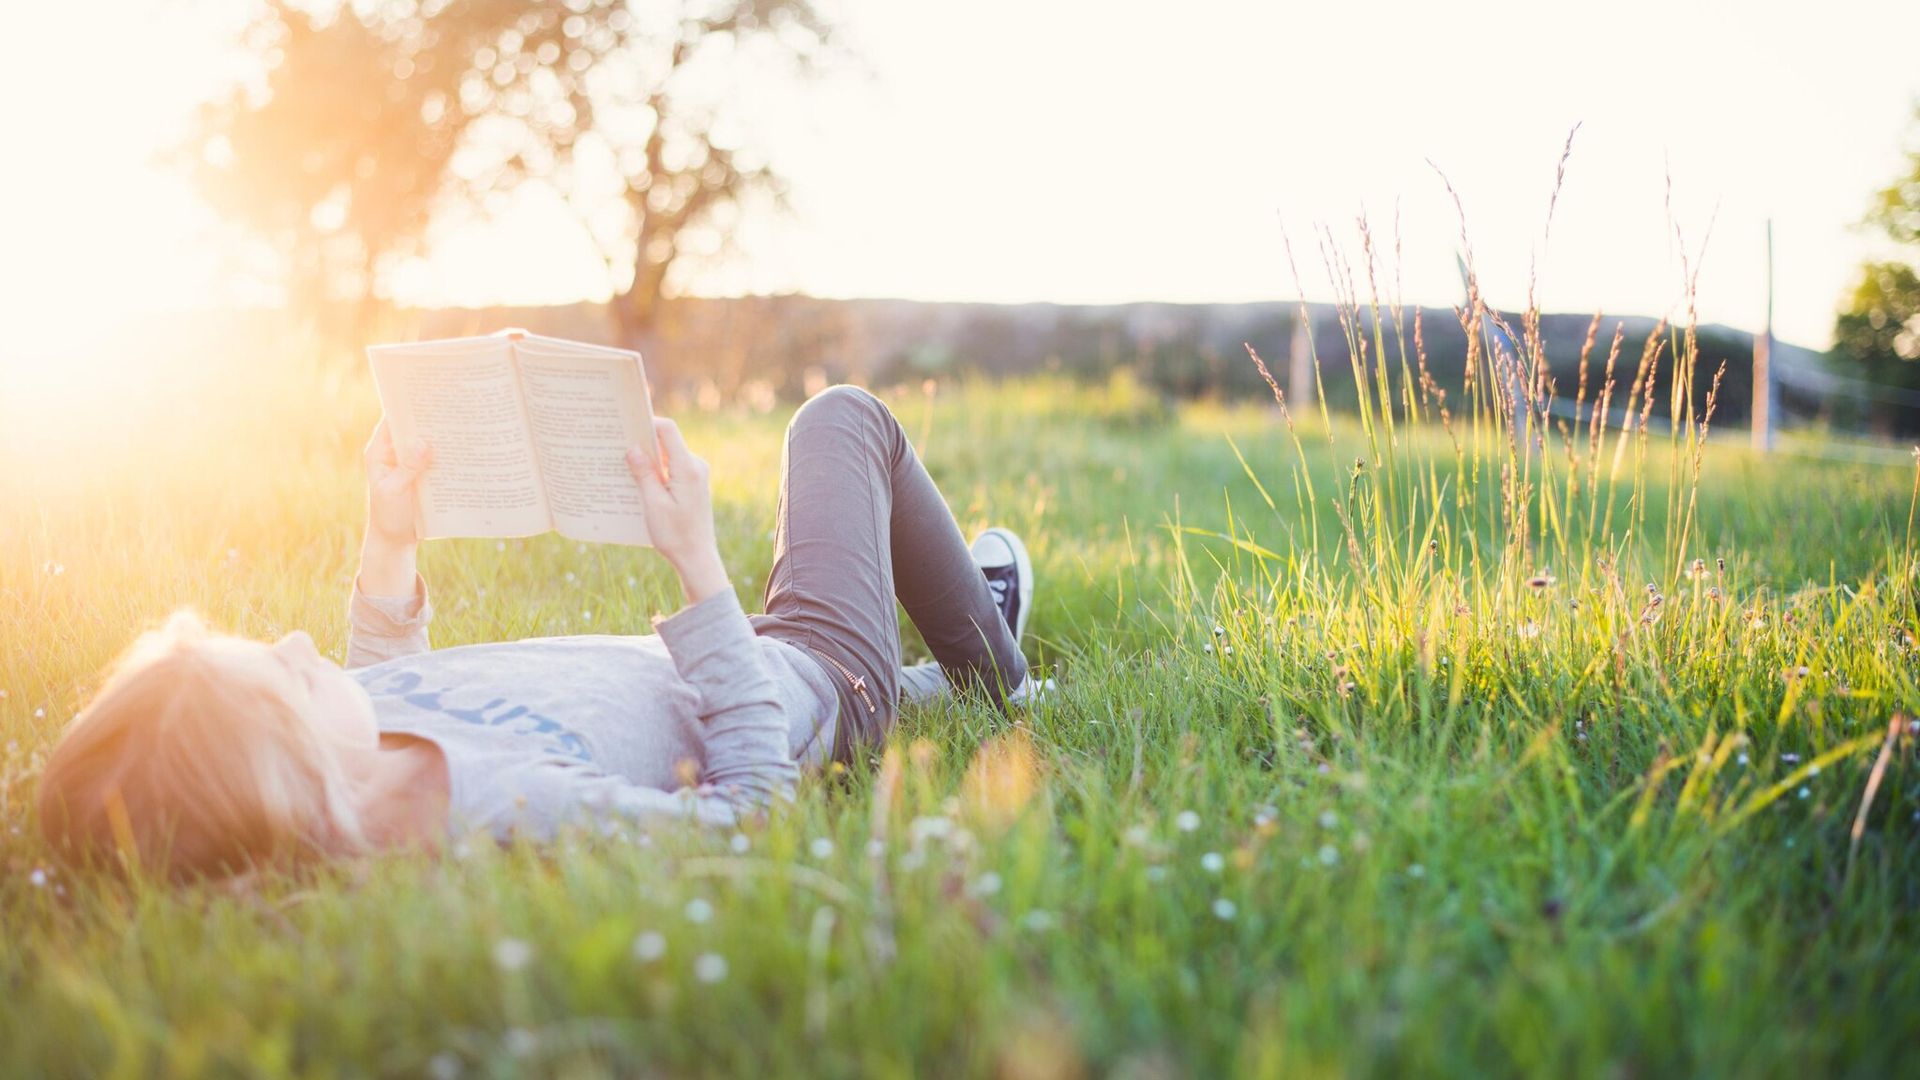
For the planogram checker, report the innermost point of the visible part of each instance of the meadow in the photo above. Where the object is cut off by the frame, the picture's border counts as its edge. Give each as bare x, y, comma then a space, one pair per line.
1382, 744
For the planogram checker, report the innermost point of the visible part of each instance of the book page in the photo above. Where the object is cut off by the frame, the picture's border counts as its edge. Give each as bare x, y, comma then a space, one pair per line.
586, 405
463, 397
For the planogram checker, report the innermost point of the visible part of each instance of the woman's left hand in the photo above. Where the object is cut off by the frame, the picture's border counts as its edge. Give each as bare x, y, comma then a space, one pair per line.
393, 479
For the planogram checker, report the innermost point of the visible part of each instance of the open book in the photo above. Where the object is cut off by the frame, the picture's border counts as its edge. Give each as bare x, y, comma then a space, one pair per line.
529, 434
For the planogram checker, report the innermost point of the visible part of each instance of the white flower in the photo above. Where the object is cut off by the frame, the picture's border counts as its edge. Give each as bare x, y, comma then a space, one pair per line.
1329, 854
1791, 759
499, 545
569, 576
1328, 819
1813, 770
1527, 630
698, 910
38, 878
1742, 759
521, 1042
986, 884
1137, 835
1208, 647
443, 1066
1038, 920
1218, 629
580, 548
821, 848
586, 616
876, 847
39, 714
1186, 821
649, 945
709, 967
935, 827
1804, 793
1212, 863
512, 954
1224, 909
1416, 871
739, 843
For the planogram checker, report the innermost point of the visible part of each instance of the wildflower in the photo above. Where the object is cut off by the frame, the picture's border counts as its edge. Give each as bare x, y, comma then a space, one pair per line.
1218, 630
1913, 727
1212, 863
568, 577
521, 1042
586, 616
1226, 650
985, 885
1791, 759
649, 946
821, 848
443, 1066
698, 910
1416, 871
39, 714
499, 545
1813, 770
1208, 647
739, 843
1329, 854
1804, 792
512, 954
709, 967
580, 548
1224, 909
1137, 835
632, 581
1742, 759
1038, 920
1328, 819
38, 878
876, 847
53, 569
1433, 547
1187, 821
1698, 570
1720, 564
1528, 630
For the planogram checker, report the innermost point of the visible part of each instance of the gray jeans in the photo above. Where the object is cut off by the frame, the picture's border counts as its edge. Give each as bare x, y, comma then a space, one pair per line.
861, 524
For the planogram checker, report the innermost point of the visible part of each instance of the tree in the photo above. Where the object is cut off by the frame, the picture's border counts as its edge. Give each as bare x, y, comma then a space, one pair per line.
1877, 333
371, 119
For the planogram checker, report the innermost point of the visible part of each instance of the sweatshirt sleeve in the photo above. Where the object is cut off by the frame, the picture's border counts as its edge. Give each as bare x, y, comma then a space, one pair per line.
383, 628
748, 761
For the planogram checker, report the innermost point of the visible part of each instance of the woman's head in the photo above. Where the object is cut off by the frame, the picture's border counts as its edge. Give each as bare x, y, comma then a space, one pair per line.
206, 755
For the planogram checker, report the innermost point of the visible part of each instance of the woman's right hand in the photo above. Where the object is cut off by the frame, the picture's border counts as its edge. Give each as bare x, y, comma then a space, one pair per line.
679, 506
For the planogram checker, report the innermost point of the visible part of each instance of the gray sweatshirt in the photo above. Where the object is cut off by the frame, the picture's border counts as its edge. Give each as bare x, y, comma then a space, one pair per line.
702, 721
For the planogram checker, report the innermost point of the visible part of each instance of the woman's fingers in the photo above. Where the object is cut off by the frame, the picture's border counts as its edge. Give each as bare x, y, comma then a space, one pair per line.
414, 462
645, 472
673, 447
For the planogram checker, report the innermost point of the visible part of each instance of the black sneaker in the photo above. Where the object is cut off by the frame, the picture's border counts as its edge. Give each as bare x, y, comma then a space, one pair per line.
1003, 559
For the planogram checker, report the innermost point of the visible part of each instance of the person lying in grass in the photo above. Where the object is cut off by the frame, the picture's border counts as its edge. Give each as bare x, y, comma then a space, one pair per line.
207, 755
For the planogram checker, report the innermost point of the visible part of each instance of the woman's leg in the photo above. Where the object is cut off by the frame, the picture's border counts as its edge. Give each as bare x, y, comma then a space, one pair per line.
861, 524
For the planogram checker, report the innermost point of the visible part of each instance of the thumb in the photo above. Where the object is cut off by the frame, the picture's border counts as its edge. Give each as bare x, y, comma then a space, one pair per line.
414, 461
645, 472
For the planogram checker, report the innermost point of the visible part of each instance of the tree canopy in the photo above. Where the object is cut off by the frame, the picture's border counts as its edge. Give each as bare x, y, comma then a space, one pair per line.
370, 119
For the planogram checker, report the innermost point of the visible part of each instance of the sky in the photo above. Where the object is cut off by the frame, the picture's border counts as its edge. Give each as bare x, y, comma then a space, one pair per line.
1096, 152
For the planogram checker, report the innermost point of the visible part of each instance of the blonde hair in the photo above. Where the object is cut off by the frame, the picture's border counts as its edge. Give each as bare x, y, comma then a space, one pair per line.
191, 762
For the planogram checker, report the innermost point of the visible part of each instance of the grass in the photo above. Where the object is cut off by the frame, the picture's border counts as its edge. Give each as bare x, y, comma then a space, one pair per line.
1328, 787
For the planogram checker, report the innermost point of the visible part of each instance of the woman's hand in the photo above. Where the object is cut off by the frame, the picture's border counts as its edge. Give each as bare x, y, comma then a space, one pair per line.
679, 505
393, 479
